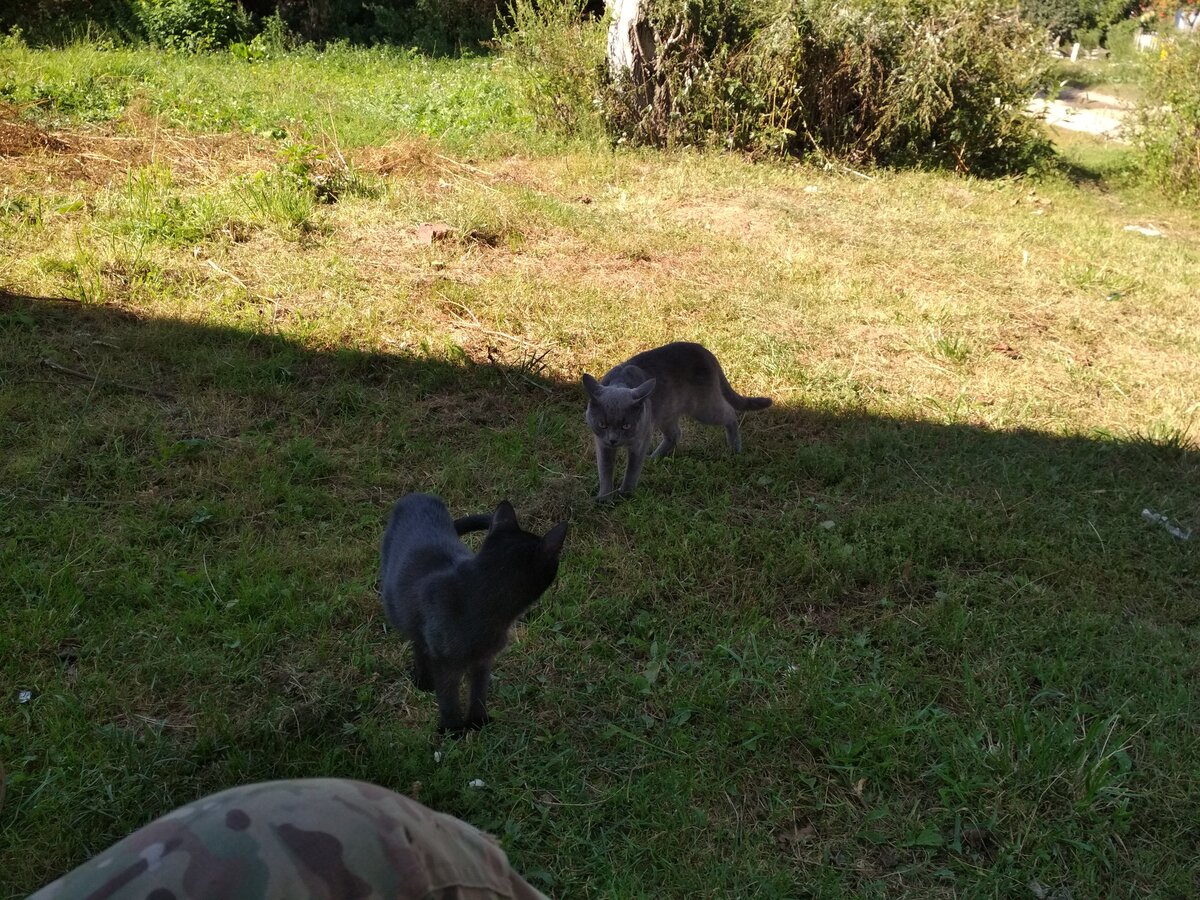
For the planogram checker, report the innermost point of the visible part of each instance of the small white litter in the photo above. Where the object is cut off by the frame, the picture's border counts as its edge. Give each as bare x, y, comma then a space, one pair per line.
477, 783
1147, 230
24, 696
828, 525
437, 756
1156, 518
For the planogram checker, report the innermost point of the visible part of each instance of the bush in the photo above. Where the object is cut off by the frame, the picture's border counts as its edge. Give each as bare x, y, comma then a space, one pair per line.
920, 83
61, 21
1109, 12
193, 24
1090, 38
1167, 135
1062, 18
1078, 20
560, 53
437, 25
1119, 39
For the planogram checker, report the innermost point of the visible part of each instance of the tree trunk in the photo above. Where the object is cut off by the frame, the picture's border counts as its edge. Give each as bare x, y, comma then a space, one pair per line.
630, 43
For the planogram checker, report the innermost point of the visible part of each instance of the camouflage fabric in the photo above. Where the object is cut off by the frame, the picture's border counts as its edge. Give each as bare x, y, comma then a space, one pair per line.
322, 838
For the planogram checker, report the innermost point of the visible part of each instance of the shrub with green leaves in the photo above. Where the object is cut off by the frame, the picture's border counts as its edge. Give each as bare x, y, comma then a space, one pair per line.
926, 83
1079, 20
1119, 38
1062, 18
193, 24
435, 25
62, 21
1168, 129
561, 55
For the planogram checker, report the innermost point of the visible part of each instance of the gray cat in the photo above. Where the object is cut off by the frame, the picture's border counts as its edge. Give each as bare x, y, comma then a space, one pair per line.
651, 391
455, 606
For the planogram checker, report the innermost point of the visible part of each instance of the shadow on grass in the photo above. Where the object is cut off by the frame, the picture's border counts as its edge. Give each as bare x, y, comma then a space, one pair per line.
139, 394
189, 516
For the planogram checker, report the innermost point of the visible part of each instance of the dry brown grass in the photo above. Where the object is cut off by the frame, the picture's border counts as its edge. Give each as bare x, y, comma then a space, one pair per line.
980, 302
89, 159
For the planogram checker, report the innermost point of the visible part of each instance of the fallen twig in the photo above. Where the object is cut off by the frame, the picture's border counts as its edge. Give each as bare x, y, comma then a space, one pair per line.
107, 382
455, 162
482, 329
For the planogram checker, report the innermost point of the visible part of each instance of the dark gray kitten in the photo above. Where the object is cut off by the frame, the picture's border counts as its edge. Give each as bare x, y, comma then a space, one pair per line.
456, 606
651, 391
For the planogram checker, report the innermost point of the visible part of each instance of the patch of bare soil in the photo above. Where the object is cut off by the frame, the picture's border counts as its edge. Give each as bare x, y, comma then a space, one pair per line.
731, 217
20, 138
96, 156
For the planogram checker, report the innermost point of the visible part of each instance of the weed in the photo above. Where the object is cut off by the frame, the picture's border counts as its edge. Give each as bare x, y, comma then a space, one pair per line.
149, 209
559, 51
281, 201
955, 349
1168, 130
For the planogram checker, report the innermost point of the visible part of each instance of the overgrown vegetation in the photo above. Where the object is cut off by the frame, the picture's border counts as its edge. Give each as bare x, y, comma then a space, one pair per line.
1082, 20
561, 53
361, 96
193, 24
1168, 127
924, 84
918, 640
435, 25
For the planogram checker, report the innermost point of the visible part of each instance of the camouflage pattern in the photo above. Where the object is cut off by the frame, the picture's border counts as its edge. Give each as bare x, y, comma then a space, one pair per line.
322, 838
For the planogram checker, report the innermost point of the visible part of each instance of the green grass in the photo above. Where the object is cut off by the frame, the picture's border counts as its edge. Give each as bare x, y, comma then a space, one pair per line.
361, 96
917, 640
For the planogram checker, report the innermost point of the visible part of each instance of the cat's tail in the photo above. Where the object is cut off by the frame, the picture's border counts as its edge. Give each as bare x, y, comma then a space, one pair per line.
737, 401
478, 522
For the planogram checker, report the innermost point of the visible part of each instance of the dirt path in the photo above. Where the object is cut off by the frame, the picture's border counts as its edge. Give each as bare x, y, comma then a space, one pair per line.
1081, 110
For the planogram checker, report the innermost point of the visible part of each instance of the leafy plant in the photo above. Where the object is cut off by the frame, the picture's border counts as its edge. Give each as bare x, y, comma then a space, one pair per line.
280, 200
918, 84
561, 55
194, 25
1168, 124
1119, 38
1062, 18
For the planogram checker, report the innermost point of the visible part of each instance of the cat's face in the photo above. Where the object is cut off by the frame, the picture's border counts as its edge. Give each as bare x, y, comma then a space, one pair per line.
615, 414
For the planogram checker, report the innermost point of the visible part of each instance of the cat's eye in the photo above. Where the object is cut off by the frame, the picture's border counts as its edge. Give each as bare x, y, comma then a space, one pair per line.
626, 426
601, 425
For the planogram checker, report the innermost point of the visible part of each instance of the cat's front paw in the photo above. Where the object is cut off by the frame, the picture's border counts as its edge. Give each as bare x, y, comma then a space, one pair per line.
605, 499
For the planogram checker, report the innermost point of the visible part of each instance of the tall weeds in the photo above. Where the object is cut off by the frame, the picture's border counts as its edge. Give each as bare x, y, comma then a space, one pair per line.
897, 82
1168, 126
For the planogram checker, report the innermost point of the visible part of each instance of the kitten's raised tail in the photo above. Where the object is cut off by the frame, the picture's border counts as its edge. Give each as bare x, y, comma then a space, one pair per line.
478, 522
737, 401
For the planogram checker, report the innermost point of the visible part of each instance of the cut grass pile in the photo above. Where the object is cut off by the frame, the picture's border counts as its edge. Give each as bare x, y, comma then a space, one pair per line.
918, 640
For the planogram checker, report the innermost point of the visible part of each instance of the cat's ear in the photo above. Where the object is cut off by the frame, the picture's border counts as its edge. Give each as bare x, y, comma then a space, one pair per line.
591, 385
504, 517
552, 543
644, 390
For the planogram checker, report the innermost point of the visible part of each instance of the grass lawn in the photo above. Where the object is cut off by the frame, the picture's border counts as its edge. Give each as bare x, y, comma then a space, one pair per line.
918, 640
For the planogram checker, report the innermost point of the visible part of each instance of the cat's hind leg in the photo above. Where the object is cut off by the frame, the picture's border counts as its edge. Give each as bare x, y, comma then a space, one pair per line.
422, 671
477, 714
671, 435
721, 413
732, 434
